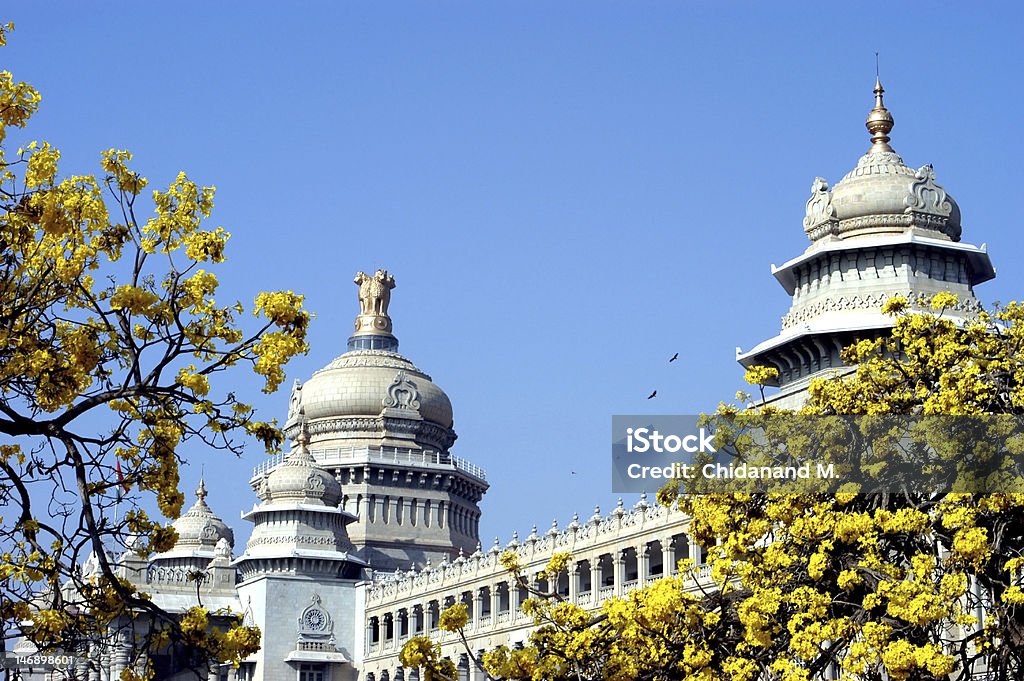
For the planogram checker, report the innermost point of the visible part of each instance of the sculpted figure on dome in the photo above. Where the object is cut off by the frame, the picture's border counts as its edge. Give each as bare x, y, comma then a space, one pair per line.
374, 292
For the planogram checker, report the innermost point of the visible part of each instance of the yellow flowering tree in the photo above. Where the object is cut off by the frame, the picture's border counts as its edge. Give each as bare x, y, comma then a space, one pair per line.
111, 344
906, 582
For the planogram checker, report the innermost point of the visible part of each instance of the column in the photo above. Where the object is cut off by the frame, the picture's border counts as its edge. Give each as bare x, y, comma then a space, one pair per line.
694, 550
643, 564
495, 603
668, 557
596, 579
619, 570
478, 606
574, 581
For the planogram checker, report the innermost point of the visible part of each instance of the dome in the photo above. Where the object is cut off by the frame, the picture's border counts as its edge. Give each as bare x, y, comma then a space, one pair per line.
372, 395
881, 194
299, 480
200, 528
365, 382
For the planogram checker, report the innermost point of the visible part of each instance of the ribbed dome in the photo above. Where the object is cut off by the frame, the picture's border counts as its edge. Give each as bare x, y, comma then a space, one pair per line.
881, 194
365, 382
299, 480
200, 528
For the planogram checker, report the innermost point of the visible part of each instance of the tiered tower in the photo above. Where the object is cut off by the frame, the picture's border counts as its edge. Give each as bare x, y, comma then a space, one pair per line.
384, 430
297, 569
883, 230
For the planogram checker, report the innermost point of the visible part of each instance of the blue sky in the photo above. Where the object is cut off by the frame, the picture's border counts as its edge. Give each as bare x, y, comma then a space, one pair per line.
567, 193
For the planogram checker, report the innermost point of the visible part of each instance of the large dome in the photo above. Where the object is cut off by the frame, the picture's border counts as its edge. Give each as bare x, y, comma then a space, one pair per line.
372, 396
364, 382
881, 194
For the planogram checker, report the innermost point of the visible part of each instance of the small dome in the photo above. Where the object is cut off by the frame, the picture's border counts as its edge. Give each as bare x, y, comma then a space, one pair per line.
200, 528
299, 480
881, 194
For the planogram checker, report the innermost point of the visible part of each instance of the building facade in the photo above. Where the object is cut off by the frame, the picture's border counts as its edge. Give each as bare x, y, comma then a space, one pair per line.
369, 527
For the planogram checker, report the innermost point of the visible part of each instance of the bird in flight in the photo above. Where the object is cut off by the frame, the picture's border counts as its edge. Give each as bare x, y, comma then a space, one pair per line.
652, 395
674, 358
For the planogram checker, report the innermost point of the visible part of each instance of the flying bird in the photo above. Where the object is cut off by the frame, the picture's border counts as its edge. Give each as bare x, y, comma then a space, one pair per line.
652, 395
674, 357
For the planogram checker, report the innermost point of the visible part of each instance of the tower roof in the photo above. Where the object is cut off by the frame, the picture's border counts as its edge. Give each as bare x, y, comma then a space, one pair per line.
199, 528
882, 194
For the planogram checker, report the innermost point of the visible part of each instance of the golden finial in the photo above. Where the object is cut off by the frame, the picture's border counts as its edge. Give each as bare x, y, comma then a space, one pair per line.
879, 122
302, 439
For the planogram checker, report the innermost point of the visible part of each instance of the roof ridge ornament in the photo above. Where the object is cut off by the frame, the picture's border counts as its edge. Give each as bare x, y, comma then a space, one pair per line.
879, 122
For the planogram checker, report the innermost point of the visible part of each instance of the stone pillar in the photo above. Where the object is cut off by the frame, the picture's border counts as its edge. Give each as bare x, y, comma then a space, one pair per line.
478, 606
668, 560
574, 581
694, 550
596, 578
619, 570
119, 656
643, 564
513, 600
495, 603
94, 662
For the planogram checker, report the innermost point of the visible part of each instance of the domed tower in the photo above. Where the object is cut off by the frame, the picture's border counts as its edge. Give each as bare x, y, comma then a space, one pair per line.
298, 568
885, 229
200, 531
384, 430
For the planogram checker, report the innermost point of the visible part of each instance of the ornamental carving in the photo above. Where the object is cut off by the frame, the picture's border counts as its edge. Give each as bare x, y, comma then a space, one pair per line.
314, 485
223, 549
174, 575
315, 621
295, 403
872, 301
819, 208
402, 393
926, 196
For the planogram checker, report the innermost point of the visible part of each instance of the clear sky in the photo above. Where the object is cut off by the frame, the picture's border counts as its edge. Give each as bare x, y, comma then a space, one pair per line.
566, 192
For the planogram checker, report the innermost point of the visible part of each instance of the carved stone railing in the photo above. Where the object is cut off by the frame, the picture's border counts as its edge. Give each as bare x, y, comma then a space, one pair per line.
425, 458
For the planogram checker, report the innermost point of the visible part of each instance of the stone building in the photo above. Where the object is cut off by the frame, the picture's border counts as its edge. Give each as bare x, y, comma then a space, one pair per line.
368, 528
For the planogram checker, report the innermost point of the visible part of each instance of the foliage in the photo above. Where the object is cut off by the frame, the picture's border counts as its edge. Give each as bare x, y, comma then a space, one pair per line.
111, 344
907, 584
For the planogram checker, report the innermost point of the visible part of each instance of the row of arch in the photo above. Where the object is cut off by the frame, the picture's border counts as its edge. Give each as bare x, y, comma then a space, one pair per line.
588, 582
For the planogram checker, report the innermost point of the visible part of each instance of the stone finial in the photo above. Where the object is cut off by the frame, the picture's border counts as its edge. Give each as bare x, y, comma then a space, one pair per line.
879, 122
575, 523
534, 537
201, 490
553, 530
514, 542
496, 548
642, 505
596, 518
